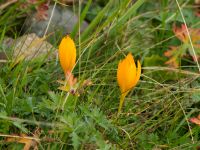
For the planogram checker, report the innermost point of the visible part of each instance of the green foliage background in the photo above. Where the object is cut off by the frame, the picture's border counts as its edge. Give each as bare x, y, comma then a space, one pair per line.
156, 112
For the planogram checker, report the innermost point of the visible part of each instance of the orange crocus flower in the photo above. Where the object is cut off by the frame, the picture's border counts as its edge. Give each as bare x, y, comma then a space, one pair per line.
127, 76
67, 55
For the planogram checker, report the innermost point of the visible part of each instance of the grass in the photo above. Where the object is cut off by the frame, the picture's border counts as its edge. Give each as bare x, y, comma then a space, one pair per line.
156, 113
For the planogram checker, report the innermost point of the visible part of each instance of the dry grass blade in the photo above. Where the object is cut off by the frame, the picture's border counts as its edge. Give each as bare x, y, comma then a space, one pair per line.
6, 4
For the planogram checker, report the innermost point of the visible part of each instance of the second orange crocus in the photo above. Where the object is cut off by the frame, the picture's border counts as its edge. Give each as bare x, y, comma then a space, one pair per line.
127, 76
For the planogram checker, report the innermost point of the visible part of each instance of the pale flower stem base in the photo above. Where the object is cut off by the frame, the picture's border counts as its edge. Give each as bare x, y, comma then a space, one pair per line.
68, 78
122, 97
65, 100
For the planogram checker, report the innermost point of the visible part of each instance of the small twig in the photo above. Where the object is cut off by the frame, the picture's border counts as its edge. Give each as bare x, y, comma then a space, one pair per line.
9, 2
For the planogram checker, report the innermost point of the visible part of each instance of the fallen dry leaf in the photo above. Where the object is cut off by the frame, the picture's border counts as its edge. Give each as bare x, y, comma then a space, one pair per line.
175, 53
26, 140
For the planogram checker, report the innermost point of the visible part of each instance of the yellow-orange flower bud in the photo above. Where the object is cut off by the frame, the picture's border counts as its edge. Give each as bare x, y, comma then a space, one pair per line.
67, 54
127, 76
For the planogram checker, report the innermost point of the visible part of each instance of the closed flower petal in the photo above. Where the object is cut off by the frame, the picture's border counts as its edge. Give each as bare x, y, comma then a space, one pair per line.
127, 74
67, 54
